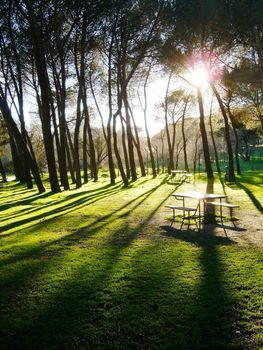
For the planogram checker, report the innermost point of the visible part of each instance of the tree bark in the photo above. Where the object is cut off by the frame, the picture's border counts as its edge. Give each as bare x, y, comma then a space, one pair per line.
85, 151
71, 169
227, 134
129, 135
17, 162
45, 96
109, 145
76, 142
236, 141
125, 153
138, 145
184, 138
144, 108
213, 142
208, 166
2, 171
115, 144
170, 152
20, 142
82, 83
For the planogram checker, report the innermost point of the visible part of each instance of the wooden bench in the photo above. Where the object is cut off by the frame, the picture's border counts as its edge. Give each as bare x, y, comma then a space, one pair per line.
225, 205
187, 177
186, 212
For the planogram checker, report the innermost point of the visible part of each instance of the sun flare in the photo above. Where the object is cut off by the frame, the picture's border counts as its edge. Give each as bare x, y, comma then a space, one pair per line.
198, 76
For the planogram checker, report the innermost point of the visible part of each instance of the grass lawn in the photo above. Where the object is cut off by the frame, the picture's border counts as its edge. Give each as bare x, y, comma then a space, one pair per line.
101, 268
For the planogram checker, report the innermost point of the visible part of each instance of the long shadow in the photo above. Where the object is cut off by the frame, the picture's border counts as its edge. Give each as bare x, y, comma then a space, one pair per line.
251, 178
74, 236
76, 298
213, 312
98, 304
98, 223
25, 201
29, 200
221, 179
144, 223
36, 197
37, 269
92, 228
251, 196
71, 239
141, 199
61, 210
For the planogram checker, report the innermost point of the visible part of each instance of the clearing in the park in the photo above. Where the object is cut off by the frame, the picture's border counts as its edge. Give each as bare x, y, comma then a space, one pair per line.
103, 268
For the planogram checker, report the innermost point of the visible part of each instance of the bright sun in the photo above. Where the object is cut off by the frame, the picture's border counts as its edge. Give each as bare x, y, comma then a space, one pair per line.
198, 76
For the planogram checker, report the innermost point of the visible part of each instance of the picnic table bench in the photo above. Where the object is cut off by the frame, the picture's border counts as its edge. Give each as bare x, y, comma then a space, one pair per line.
222, 205
181, 175
188, 213
195, 212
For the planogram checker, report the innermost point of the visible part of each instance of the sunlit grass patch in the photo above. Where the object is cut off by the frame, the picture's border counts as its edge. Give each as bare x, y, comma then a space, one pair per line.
101, 268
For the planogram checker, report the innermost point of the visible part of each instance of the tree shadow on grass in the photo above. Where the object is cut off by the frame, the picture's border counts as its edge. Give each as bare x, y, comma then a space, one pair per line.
212, 313
105, 305
254, 200
63, 206
72, 313
91, 229
102, 305
31, 199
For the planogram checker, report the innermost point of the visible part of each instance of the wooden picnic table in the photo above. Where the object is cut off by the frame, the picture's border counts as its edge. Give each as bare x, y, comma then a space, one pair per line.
179, 174
201, 198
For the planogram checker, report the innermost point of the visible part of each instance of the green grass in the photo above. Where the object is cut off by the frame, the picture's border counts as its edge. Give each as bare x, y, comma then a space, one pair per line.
100, 268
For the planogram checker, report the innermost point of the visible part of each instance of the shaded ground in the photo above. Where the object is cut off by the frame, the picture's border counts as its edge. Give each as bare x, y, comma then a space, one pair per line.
101, 268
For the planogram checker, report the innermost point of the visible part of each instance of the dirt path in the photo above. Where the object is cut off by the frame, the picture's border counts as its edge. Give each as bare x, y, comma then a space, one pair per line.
247, 230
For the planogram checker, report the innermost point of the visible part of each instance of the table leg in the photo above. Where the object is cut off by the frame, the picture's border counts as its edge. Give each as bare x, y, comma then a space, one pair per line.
199, 214
221, 211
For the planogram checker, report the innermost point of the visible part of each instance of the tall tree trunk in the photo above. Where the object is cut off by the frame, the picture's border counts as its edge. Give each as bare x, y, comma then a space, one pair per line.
110, 156
195, 153
2, 171
45, 96
93, 163
213, 141
124, 147
178, 152
62, 128
162, 154
83, 90
70, 143
17, 163
109, 145
138, 145
261, 120
20, 141
115, 144
76, 142
184, 138
60, 135
208, 166
236, 140
231, 168
174, 136
144, 108
85, 151
170, 152
129, 136
71, 168
16, 81
57, 141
